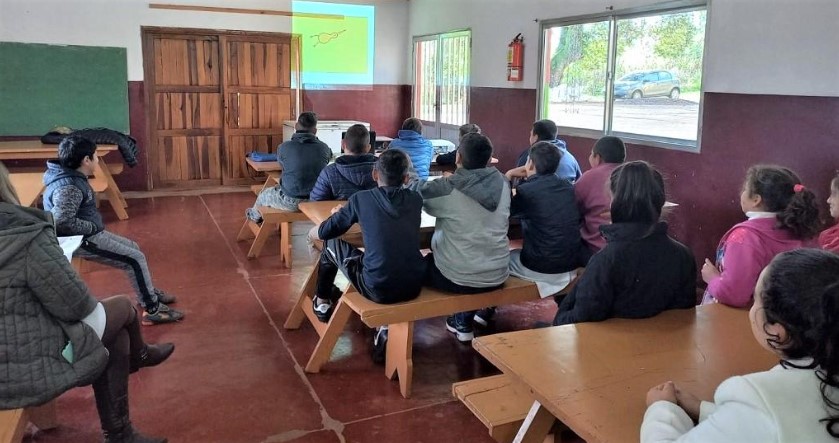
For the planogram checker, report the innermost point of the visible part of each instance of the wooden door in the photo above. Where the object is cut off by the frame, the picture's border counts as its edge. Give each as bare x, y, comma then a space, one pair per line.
186, 112
258, 98
212, 97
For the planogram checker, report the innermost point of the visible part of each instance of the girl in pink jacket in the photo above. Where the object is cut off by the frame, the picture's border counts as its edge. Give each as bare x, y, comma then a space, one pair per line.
829, 238
782, 215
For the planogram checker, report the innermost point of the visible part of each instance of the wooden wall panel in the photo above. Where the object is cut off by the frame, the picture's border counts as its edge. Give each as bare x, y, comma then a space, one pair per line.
239, 146
189, 159
264, 111
182, 110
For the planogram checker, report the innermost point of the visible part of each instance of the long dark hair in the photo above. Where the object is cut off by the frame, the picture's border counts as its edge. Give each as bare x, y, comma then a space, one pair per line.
781, 191
637, 193
801, 293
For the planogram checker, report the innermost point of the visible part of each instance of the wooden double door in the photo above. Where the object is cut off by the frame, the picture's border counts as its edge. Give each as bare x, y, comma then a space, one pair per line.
212, 97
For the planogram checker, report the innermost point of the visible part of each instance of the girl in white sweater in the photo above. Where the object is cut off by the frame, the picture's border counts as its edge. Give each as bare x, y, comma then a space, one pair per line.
795, 315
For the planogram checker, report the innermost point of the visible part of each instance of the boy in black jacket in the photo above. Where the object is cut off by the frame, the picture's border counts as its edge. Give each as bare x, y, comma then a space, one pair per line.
391, 268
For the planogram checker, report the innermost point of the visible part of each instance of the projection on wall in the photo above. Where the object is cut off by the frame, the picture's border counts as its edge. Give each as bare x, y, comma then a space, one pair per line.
337, 42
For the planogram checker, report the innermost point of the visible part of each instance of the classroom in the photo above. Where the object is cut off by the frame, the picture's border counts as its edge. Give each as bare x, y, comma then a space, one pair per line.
588, 220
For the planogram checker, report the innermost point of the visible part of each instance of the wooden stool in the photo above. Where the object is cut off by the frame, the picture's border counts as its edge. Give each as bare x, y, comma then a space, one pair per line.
13, 422
272, 221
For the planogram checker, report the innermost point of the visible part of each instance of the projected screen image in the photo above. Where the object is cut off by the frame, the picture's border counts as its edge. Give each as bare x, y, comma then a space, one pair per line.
337, 43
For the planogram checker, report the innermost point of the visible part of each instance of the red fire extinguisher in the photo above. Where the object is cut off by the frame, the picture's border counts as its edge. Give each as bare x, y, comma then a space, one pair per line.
515, 59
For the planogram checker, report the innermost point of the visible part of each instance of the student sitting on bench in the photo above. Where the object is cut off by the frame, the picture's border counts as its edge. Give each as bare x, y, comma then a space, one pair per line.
302, 159
71, 200
450, 158
641, 271
351, 172
391, 268
470, 248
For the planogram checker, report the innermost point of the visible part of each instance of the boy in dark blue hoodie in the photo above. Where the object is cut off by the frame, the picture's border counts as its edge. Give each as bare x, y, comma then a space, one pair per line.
351, 172
71, 200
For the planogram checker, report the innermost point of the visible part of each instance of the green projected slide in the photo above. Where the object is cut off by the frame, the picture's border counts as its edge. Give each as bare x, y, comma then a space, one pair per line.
337, 42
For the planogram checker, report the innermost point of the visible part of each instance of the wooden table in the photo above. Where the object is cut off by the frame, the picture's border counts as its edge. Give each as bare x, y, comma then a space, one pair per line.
34, 149
594, 377
28, 185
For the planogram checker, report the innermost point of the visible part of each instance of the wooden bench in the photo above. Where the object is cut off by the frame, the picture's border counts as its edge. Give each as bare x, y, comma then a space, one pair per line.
13, 421
499, 402
273, 220
272, 180
400, 318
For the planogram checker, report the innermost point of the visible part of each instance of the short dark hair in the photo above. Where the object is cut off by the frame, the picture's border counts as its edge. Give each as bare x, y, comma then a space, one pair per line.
307, 122
73, 150
412, 124
611, 149
637, 193
356, 139
545, 156
475, 151
393, 165
469, 128
545, 130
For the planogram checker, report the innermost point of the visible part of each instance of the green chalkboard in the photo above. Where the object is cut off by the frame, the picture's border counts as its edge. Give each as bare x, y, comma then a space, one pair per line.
43, 86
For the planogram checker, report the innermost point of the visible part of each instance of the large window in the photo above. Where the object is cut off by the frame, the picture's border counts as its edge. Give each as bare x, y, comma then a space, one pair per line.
441, 82
636, 75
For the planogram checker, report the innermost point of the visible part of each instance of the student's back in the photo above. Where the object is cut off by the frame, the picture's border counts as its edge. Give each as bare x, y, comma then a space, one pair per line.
348, 175
302, 159
551, 224
418, 148
470, 240
592, 189
641, 271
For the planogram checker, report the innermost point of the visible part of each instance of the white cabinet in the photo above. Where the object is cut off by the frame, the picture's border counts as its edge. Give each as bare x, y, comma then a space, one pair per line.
329, 131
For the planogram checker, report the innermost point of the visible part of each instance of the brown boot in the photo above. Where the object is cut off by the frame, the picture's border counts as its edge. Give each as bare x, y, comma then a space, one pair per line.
151, 355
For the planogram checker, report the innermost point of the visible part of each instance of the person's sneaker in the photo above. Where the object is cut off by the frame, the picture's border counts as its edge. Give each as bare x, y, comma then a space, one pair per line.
165, 298
464, 333
379, 351
164, 314
253, 215
484, 316
322, 308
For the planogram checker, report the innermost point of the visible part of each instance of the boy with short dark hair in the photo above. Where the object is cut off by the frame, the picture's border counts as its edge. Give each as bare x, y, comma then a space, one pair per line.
351, 172
593, 199
302, 158
450, 157
391, 268
410, 140
72, 202
470, 249
546, 130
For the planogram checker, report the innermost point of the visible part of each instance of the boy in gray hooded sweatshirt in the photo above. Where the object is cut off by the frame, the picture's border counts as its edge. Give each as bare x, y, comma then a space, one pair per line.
470, 248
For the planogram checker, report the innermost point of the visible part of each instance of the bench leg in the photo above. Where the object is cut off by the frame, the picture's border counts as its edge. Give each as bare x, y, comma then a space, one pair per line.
44, 416
323, 350
297, 314
536, 425
18, 418
245, 233
285, 244
261, 237
399, 358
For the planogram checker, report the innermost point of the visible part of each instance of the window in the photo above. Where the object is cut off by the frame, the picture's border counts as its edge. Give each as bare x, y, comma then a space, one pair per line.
441, 83
637, 75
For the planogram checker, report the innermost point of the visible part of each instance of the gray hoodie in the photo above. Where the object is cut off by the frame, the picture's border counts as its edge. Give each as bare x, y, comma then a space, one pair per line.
470, 242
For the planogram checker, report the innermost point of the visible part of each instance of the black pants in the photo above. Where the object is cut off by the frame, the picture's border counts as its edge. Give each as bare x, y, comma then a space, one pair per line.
436, 279
340, 255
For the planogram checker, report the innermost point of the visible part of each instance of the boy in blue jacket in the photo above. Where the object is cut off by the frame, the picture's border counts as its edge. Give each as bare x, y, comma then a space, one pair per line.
417, 147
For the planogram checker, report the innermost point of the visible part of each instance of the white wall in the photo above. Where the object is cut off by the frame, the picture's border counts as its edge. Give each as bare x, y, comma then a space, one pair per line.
118, 22
785, 47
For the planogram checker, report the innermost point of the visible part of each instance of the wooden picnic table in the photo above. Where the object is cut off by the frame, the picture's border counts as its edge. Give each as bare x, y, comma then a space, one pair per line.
28, 185
594, 377
34, 150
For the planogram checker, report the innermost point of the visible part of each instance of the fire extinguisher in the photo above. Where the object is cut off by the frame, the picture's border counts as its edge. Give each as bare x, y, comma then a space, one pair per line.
515, 59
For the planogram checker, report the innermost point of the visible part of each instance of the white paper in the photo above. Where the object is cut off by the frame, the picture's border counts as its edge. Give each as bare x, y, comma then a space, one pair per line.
69, 245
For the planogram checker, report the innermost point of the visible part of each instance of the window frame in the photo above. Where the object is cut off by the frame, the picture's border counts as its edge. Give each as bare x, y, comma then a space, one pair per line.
671, 7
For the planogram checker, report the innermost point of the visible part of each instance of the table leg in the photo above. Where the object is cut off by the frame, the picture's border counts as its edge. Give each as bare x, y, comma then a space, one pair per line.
115, 197
536, 425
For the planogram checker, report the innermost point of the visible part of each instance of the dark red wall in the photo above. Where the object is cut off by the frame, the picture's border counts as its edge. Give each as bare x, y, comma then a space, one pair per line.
738, 131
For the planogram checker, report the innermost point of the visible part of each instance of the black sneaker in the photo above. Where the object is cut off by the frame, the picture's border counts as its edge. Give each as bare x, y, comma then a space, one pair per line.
464, 333
484, 316
323, 310
379, 351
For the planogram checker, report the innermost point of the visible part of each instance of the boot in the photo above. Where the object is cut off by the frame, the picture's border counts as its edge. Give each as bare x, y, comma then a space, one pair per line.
111, 392
151, 355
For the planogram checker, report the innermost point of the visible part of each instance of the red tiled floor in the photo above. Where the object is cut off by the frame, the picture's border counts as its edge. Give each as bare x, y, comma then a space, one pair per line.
237, 375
